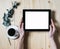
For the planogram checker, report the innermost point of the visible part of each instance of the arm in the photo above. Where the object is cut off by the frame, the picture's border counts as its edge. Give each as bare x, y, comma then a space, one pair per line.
52, 43
51, 35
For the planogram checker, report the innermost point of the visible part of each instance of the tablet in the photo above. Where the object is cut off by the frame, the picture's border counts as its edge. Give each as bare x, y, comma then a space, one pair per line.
36, 19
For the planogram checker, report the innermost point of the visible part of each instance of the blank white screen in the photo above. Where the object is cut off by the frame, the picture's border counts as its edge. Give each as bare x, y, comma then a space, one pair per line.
36, 20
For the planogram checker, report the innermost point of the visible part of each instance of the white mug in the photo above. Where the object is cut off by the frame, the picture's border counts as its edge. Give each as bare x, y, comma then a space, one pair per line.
13, 32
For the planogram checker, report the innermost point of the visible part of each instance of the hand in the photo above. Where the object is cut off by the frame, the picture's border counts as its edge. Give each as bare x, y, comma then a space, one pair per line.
21, 38
52, 29
21, 30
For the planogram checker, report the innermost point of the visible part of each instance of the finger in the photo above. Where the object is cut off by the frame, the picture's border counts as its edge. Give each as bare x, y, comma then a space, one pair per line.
52, 23
53, 27
50, 28
22, 29
21, 24
50, 32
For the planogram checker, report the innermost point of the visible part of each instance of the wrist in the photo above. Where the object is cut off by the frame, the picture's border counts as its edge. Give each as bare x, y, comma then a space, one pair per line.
51, 35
